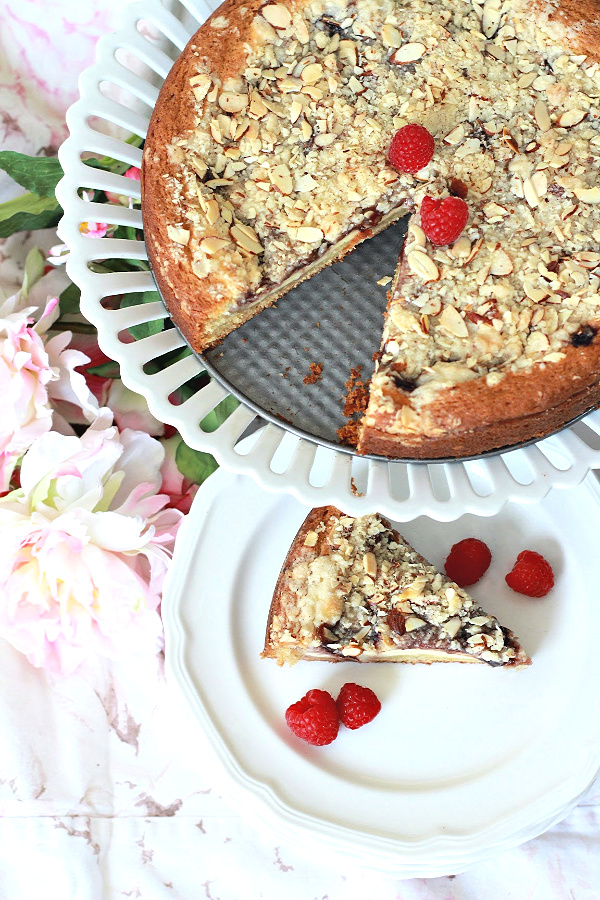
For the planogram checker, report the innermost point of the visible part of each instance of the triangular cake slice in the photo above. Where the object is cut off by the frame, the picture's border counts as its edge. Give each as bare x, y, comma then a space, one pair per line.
354, 589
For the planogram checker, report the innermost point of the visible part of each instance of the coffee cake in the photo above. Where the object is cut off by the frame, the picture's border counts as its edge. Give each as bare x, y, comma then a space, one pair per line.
266, 160
354, 589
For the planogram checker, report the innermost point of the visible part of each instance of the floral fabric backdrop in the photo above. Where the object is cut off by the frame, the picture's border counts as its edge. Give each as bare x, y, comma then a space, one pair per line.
106, 786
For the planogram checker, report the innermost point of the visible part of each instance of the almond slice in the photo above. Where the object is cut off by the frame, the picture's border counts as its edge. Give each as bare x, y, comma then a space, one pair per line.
421, 264
178, 235
277, 15
246, 238
391, 36
212, 245
407, 53
453, 322
570, 118
232, 102
308, 235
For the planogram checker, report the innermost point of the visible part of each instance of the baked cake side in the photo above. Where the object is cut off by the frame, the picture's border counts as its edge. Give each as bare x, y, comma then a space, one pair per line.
354, 589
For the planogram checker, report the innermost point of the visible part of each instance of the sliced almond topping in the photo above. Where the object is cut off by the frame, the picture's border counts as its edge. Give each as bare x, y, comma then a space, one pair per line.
492, 13
324, 140
414, 622
212, 211
370, 564
460, 248
246, 238
212, 245
302, 32
295, 111
348, 52
257, 108
277, 15
422, 265
588, 195
201, 85
312, 73
282, 179
311, 539
232, 102
540, 183
308, 235
407, 53
530, 193
178, 235
542, 116
452, 627
306, 183
456, 135
306, 129
453, 322
570, 118
501, 263
391, 36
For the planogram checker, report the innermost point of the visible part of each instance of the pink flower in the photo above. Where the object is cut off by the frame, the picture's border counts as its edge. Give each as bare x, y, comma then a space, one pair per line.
181, 491
39, 387
93, 229
85, 544
135, 174
130, 410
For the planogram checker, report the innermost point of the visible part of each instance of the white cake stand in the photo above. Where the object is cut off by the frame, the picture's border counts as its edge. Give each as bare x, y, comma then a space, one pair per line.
117, 96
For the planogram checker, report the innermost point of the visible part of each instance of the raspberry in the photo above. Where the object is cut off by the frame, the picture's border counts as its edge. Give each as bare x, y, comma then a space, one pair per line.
411, 148
314, 718
357, 705
468, 561
443, 221
531, 575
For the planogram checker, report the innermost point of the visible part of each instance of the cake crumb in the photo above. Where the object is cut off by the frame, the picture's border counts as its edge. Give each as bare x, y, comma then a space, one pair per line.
316, 373
353, 486
383, 282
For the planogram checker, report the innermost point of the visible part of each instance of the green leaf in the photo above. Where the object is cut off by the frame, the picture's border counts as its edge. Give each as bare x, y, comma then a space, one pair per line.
145, 329
194, 464
34, 269
218, 415
108, 369
28, 213
38, 174
69, 300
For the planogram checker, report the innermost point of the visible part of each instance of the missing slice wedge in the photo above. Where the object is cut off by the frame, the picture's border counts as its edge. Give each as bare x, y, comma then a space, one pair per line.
354, 589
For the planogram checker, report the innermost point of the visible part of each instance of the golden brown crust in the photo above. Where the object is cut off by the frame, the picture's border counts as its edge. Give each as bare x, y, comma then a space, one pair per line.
577, 21
524, 406
297, 552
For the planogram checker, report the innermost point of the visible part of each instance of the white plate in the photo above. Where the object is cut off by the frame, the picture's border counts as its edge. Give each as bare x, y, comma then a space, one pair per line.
462, 760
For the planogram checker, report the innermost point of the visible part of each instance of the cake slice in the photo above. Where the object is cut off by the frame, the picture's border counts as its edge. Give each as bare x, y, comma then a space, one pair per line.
354, 589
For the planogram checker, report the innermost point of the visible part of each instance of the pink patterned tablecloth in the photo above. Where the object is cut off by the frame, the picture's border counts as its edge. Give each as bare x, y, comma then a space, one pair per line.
106, 789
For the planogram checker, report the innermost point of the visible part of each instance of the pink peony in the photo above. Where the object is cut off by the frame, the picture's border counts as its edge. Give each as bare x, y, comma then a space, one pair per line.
85, 544
39, 386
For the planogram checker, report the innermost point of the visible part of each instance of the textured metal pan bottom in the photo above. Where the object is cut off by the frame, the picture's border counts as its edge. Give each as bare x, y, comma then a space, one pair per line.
334, 319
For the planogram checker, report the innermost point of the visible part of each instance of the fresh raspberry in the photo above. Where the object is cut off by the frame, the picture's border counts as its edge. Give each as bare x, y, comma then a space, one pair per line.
411, 148
468, 561
443, 221
357, 705
314, 718
531, 575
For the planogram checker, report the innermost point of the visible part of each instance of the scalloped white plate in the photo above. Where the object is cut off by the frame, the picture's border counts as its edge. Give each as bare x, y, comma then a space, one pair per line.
117, 96
462, 760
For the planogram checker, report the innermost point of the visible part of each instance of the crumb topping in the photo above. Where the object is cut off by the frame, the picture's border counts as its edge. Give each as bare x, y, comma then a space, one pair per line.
289, 159
368, 592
